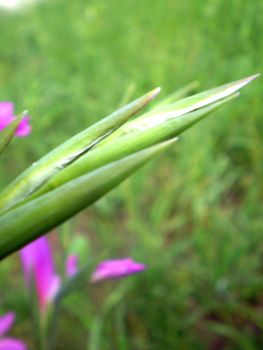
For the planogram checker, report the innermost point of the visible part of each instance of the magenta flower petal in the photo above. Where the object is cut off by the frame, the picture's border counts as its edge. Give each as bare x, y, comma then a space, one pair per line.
24, 128
4, 122
38, 265
12, 344
71, 265
6, 109
111, 269
6, 322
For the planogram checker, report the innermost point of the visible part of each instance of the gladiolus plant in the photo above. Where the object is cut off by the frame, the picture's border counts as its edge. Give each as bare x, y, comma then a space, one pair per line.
83, 169
73, 176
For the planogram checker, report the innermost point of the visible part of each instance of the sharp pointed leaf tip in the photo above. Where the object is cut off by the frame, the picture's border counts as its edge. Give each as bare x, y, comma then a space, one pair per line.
234, 87
239, 84
243, 82
154, 92
157, 90
253, 77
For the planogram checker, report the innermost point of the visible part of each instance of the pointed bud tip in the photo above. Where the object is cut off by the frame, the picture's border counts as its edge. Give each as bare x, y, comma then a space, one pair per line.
239, 84
154, 92
255, 75
248, 80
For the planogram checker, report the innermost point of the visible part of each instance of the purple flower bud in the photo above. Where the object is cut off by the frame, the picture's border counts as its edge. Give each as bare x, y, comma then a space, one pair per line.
71, 265
7, 343
117, 268
6, 322
38, 266
12, 344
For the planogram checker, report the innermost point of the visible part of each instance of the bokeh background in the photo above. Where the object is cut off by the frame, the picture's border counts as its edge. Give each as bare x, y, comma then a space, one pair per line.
194, 215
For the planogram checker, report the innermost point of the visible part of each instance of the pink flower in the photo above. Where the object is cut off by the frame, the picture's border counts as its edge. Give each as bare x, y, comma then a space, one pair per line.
8, 343
38, 266
39, 270
7, 116
111, 269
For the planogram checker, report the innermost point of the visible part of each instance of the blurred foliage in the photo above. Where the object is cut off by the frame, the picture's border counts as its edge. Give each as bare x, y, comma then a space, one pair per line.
194, 216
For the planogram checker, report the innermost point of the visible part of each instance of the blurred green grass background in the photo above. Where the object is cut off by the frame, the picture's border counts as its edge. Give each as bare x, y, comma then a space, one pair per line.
194, 215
